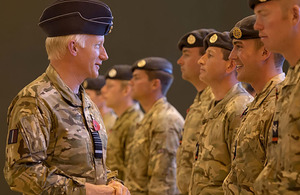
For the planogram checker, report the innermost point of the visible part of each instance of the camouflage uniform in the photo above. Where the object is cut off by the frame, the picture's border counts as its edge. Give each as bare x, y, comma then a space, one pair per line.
251, 141
49, 149
185, 152
109, 120
152, 163
120, 138
282, 171
212, 160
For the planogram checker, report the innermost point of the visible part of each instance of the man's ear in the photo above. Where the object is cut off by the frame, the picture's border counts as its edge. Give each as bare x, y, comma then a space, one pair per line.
296, 15
126, 90
265, 53
72, 48
230, 66
156, 84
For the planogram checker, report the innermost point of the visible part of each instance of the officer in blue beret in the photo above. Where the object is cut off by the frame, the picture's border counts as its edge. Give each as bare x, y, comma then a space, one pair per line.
56, 141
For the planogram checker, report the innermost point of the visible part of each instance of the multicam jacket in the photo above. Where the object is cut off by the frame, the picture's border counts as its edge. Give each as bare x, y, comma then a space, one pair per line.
50, 148
212, 156
120, 138
250, 144
282, 171
185, 152
109, 120
152, 163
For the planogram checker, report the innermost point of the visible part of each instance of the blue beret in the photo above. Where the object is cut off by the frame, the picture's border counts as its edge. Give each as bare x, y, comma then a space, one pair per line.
253, 3
218, 39
194, 38
153, 64
119, 72
244, 29
66, 17
94, 83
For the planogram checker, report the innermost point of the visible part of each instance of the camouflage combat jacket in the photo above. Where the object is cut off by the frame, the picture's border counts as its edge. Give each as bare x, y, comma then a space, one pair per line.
152, 163
49, 148
212, 156
185, 157
120, 138
249, 152
109, 120
281, 174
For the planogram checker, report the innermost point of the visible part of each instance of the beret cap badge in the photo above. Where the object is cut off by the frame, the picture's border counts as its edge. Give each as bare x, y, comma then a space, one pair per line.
112, 73
141, 63
236, 32
191, 39
213, 38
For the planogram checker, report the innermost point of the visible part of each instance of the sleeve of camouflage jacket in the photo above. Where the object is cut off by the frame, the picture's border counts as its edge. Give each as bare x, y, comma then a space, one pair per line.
162, 162
25, 168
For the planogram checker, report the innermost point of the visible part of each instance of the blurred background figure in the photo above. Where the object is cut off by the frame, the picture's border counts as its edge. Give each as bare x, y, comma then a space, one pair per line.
117, 94
152, 163
93, 88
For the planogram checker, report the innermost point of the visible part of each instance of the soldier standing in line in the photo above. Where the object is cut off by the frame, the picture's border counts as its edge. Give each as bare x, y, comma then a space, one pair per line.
152, 163
278, 23
117, 93
56, 142
191, 46
93, 88
263, 70
212, 154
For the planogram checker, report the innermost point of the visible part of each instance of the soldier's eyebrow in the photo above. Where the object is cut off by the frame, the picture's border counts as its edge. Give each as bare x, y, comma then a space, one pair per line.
185, 50
235, 42
210, 51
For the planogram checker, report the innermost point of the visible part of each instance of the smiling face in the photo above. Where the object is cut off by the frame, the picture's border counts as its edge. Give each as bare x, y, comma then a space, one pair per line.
246, 55
189, 67
91, 56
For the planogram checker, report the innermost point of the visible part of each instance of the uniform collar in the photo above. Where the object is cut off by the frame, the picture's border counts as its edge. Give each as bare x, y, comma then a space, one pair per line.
63, 89
293, 75
260, 97
216, 110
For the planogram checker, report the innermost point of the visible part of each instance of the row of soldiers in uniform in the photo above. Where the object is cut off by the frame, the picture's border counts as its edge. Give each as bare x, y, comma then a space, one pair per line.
229, 143
223, 145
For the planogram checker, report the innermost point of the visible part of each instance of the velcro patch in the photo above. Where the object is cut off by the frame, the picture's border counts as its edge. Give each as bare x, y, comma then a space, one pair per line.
13, 136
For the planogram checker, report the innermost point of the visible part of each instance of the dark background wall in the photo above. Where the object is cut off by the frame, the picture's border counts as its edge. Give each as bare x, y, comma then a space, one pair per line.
141, 29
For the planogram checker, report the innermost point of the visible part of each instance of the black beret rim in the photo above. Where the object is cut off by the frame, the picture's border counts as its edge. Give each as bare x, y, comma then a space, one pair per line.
181, 43
123, 72
207, 43
253, 3
142, 68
